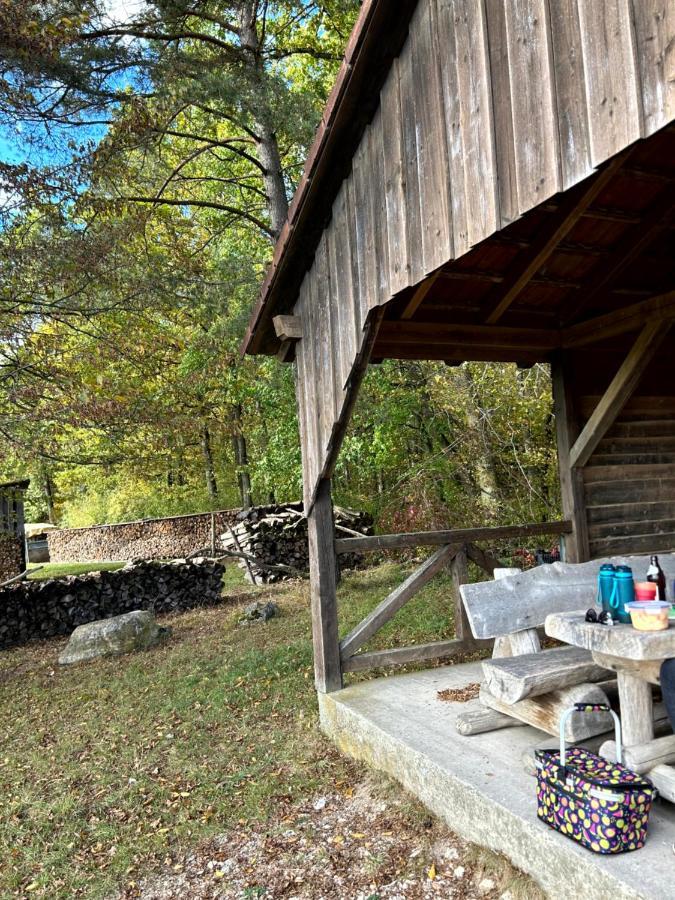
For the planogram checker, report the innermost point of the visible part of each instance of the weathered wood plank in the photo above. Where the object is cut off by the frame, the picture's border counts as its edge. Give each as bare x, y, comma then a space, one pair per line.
407, 91
568, 67
620, 640
641, 543
654, 29
323, 592
532, 674
356, 247
396, 600
467, 105
505, 154
399, 268
546, 711
532, 101
611, 78
401, 656
456, 536
432, 159
622, 386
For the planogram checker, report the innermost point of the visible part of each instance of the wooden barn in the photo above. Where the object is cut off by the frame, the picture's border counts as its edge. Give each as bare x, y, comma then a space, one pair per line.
490, 181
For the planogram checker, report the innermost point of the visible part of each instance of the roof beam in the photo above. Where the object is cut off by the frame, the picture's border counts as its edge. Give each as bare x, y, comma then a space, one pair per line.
619, 321
619, 391
420, 293
522, 272
658, 217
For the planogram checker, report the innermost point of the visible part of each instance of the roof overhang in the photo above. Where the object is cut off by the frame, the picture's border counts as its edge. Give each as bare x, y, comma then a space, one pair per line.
376, 40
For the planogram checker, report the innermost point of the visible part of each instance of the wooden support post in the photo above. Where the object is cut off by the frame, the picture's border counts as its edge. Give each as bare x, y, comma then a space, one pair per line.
621, 388
323, 591
571, 481
460, 576
635, 698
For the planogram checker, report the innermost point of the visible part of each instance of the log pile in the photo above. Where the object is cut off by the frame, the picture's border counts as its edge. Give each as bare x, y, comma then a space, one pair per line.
11, 557
169, 538
31, 610
277, 536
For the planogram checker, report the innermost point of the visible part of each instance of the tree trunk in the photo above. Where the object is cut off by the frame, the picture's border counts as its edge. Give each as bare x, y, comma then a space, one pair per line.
266, 138
241, 461
207, 452
484, 464
48, 492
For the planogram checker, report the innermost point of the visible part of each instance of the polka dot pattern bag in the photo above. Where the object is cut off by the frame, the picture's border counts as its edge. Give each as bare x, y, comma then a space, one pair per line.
599, 804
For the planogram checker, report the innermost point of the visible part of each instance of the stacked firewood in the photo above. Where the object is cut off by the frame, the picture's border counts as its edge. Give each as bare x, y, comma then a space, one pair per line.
11, 557
32, 610
271, 541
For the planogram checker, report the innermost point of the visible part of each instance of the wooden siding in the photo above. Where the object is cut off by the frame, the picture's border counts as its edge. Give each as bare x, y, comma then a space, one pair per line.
629, 481
490, 109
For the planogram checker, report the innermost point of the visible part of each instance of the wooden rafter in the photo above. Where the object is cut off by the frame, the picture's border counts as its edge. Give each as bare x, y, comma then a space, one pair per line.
522, 271
619, 391
619, 321
419, 295
658, 217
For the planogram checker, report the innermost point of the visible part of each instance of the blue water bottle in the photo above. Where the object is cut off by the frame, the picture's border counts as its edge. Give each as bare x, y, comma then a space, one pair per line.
606, 586
625, 593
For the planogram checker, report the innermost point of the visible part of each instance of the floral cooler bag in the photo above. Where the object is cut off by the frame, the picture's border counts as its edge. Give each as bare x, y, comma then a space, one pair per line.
601, 805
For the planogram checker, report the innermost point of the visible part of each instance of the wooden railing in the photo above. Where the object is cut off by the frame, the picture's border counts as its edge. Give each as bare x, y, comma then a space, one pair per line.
456, 548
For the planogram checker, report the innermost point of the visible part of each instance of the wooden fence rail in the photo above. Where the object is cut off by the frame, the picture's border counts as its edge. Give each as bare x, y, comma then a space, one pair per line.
370, 543
457, 547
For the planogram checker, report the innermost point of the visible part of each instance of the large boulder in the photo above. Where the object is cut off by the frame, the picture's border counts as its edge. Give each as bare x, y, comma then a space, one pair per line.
112, 637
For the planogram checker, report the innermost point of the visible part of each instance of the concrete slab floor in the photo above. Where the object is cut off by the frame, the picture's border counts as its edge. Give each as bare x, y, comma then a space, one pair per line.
479, 786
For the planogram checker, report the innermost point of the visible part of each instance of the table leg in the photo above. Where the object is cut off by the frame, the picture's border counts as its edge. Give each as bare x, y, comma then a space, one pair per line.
637, 714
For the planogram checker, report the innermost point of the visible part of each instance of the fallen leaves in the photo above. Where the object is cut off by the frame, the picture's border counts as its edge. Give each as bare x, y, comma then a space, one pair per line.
460, 695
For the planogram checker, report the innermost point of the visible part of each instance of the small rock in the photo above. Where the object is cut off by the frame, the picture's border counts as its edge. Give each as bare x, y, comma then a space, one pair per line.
485, 886
320, 804
507, 895
111, 637
459, 872
260, 611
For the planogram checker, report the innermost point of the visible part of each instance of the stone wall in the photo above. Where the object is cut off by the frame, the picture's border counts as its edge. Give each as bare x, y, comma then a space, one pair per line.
178, 536
31, 610
11, 557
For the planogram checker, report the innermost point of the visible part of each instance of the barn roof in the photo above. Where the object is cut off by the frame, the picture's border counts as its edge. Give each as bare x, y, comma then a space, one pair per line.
376, 39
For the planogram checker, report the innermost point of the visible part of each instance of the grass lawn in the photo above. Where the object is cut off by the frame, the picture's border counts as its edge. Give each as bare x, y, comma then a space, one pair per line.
114, 768
41, 571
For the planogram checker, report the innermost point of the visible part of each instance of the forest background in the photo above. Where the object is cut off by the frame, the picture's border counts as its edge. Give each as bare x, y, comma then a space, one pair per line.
147, 154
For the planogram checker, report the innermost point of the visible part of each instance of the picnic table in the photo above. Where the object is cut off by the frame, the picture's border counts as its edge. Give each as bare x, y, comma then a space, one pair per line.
636, 657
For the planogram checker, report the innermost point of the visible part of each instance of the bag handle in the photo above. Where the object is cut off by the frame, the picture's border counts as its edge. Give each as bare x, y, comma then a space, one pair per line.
590, 707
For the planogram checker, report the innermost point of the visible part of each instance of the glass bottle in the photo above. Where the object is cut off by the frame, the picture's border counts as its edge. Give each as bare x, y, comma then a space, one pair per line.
656, 575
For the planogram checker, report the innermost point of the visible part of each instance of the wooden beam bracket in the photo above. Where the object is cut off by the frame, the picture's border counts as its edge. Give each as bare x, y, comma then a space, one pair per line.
619, 391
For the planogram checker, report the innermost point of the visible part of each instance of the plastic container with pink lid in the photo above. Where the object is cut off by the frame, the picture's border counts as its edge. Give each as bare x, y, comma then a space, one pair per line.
649, 615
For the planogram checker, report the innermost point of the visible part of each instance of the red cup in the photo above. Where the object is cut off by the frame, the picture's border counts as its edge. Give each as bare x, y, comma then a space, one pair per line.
645, 591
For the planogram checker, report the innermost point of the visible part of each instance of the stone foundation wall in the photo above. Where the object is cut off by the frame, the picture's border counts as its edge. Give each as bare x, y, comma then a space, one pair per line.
11, 557
170, 538
31, 610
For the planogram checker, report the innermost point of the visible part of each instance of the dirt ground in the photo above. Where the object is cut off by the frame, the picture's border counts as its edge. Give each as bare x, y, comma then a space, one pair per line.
362, 843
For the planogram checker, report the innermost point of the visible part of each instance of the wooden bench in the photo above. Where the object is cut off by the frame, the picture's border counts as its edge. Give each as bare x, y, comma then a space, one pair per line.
523, 683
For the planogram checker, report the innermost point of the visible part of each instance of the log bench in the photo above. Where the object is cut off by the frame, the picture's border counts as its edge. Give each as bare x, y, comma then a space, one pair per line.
525, 684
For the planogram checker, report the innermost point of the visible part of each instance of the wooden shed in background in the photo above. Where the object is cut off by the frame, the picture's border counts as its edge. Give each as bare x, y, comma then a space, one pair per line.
490, 181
